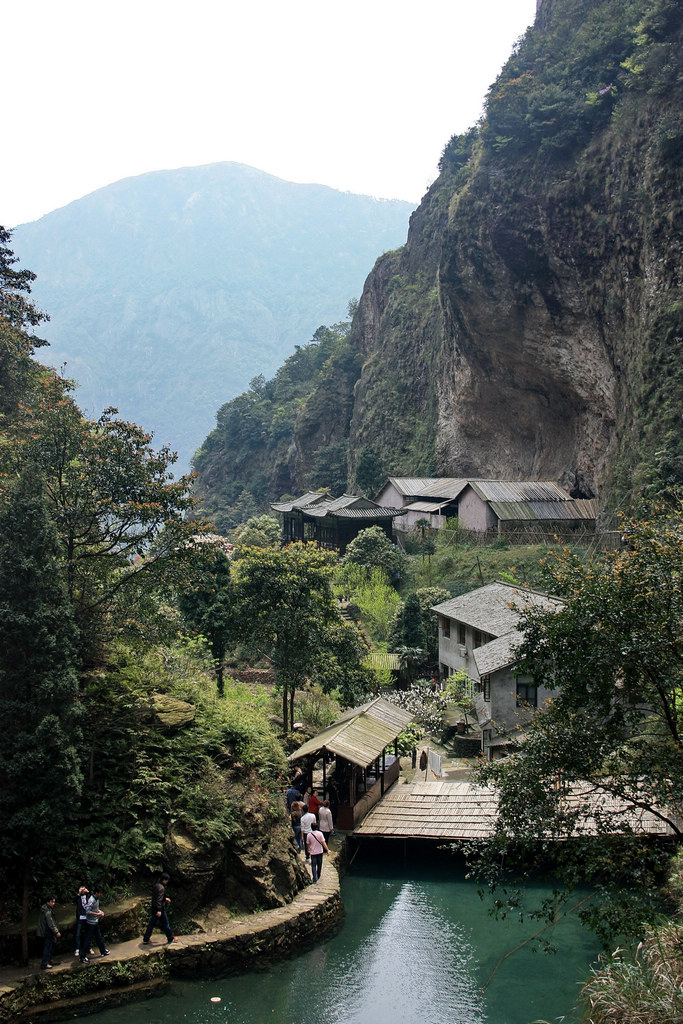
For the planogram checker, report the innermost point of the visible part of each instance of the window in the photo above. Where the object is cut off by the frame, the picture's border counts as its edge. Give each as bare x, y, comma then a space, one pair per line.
445, 627
477, 639
486, 687
526, 694
462, 635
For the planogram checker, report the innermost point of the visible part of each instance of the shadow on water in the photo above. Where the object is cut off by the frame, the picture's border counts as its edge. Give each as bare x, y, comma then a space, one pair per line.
417, 946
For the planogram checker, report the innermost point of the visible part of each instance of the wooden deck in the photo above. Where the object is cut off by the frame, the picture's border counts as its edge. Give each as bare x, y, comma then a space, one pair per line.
432, 810
450, 811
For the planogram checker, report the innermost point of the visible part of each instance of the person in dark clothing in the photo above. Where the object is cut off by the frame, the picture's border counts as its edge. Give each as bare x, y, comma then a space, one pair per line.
159, 915
292, 795
81, 925
47, 930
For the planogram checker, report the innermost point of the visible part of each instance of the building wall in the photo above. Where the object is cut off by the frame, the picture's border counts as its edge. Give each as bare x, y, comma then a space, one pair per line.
473, 513
408, 521
390, 497
455, 655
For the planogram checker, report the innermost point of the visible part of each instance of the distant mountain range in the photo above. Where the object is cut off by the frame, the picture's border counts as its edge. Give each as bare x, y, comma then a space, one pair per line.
170, 291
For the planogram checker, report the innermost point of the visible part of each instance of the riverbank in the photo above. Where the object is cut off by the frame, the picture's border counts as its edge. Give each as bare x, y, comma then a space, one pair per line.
135, 971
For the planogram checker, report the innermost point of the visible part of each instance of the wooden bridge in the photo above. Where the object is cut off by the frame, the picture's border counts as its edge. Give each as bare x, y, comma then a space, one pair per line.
450, 811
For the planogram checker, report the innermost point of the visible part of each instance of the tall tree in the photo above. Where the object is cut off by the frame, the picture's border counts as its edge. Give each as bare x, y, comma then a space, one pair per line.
287, 612
614, 657
119, 513
208, 604
40, 777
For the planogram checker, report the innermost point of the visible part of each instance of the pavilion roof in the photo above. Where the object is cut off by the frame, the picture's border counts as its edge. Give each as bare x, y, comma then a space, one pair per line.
360, 735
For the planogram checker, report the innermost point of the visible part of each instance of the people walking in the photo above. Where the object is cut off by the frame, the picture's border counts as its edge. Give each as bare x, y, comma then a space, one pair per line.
315, 843
47, 930
295, 818
292, 795
325, 820
159, 915
81, 925
308, 820
93, 933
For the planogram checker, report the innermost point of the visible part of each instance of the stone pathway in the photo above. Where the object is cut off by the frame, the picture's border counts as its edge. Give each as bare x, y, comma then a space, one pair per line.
314, 908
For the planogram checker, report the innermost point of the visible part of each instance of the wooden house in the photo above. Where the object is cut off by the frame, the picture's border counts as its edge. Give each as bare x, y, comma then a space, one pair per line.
358, 755
330, 522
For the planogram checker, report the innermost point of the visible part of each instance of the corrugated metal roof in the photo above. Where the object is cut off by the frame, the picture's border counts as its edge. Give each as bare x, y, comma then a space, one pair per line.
496, 608
425, 506
447, 487
406, 485
546, 511
360, 735
520, 490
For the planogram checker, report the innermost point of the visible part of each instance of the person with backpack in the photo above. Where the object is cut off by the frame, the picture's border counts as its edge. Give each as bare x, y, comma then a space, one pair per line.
159, 915
47, 929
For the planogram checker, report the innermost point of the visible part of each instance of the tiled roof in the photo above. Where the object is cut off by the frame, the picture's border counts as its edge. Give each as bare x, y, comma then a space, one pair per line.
347, 506
495, 608
545, 510
498, 653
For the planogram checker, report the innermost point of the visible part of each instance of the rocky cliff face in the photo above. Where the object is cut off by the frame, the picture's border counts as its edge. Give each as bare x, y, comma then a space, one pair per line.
531, 326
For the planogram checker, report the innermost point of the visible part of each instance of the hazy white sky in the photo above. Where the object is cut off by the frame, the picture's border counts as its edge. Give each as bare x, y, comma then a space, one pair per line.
361, 95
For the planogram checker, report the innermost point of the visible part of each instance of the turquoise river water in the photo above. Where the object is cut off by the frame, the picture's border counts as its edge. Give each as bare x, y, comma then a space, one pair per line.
417, 946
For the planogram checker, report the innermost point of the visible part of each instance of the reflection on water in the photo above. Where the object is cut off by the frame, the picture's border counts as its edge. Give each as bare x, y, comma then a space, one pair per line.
416, 947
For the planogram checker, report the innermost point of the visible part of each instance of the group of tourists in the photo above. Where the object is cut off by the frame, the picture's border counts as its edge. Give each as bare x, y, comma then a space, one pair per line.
312, 822
87, 932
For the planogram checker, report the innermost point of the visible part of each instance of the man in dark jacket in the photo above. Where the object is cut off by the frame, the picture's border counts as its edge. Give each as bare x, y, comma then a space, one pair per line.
159, 915
47, 929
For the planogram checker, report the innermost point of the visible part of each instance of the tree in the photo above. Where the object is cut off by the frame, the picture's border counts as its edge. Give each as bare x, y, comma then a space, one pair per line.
120, 516
372, 547
370, 472
259, 532
208, 606
614, 656
40, 736
18, 317
287, 613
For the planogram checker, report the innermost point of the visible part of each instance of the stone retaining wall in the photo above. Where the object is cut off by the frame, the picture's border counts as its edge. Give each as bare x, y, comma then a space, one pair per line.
134, 971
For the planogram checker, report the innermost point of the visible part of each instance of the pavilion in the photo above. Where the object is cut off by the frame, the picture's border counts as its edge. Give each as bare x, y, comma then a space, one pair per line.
331, 522
356, 745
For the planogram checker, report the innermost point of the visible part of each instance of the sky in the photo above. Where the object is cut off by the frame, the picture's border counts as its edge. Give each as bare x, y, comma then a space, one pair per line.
359, 95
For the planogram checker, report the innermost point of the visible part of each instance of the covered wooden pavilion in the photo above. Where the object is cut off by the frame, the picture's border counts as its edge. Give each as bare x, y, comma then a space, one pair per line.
331, 522
355, 749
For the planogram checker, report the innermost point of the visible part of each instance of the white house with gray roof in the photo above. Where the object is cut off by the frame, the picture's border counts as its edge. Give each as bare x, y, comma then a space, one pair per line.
479, 634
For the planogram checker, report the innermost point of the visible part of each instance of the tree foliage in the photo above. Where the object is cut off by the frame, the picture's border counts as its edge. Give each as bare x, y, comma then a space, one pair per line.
40, 735
614, 658
120, 516
288, 615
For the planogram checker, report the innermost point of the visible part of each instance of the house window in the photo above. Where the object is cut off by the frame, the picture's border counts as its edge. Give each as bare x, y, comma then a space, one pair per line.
445, 671
461, 633
477, 639
486, 687
526, 694
446, 627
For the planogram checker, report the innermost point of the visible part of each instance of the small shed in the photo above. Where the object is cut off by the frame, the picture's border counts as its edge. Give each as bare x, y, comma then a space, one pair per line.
356, 748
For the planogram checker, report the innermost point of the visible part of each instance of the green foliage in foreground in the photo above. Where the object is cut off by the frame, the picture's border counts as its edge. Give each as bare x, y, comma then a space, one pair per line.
615, 657
143, 772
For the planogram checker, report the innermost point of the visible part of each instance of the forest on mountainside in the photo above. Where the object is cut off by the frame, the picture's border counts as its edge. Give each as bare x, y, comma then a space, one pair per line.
531, 327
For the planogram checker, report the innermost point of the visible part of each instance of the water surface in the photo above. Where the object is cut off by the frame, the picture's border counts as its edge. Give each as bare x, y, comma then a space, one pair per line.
417, 947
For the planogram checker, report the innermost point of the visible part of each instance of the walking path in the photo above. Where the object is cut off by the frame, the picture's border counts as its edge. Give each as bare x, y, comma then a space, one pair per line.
133, 969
